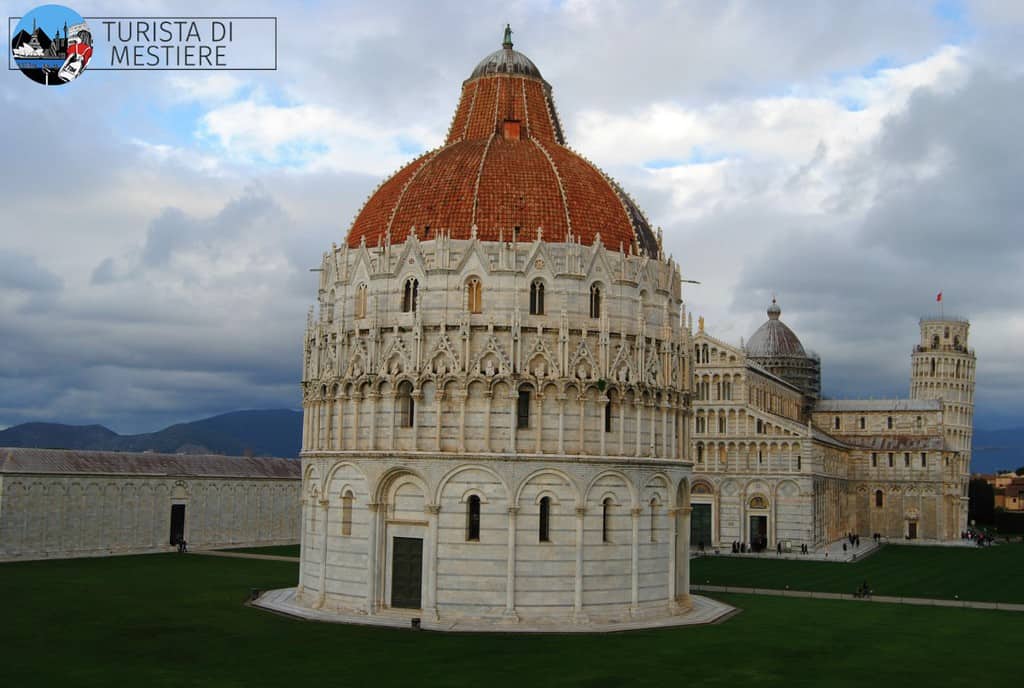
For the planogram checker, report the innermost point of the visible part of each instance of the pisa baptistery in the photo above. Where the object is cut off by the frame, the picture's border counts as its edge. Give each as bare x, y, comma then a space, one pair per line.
496, 387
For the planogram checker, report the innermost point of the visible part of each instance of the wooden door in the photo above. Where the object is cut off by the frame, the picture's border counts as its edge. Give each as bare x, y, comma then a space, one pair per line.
407, 572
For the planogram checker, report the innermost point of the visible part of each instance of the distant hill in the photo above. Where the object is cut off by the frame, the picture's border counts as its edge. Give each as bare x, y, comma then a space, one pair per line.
279, 433
261, 433
996, 449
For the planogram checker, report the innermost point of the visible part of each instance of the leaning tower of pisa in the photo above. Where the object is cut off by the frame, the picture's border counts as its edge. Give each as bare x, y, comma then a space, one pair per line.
942, 367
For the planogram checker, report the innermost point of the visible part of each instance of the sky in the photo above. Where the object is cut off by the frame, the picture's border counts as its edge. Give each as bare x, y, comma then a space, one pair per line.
852, 159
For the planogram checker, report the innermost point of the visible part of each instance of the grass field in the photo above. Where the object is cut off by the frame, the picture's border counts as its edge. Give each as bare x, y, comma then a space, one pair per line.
277, 550
990, 574
171, 620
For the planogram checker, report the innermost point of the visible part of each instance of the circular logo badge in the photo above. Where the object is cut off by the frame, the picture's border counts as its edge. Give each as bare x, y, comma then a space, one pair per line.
52, 45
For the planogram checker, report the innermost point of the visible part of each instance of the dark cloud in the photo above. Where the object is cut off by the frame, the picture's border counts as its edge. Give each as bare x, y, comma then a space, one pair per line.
946, 218
23, 273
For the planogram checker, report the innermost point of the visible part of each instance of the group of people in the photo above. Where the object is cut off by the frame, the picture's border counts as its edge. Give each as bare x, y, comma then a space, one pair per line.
852, 540
864, 590
979, 539
182, 546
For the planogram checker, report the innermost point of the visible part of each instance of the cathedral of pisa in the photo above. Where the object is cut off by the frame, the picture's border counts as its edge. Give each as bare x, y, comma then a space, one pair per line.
509, 417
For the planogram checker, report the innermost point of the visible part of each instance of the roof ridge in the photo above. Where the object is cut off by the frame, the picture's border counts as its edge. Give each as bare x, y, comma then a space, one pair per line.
479, 174
429, 158
561, 186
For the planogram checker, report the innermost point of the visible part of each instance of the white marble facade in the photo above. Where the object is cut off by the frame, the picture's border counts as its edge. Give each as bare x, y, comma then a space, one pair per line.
774, 462
60, 504
436, 383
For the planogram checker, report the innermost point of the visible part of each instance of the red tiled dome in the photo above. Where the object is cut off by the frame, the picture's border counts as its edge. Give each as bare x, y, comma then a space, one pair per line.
504, 165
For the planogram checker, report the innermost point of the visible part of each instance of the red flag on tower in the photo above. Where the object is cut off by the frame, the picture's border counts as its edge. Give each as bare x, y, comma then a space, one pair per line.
939, 297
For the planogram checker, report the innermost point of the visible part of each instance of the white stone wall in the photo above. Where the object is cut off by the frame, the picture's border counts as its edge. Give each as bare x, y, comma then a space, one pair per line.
508, 573
465, 370
58, 516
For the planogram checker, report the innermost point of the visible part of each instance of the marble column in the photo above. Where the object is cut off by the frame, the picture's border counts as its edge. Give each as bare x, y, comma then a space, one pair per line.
513, 423
683, 595
325, 504
371, 556
510, 574
673, 536
635, 560
577, 600
430, 556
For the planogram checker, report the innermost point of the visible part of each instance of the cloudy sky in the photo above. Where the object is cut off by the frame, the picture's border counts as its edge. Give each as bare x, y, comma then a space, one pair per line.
852, 158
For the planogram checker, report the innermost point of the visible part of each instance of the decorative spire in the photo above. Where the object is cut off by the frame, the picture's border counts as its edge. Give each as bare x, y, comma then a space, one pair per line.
507, 42
773, 310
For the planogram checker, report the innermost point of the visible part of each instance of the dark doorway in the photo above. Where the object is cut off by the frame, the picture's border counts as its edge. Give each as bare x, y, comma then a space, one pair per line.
177, 523
912, 530
407, 573
700, 526
758, 533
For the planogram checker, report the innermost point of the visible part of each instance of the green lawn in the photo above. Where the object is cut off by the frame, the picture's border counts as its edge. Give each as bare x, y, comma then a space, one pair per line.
990, 574
277, 550
170, 620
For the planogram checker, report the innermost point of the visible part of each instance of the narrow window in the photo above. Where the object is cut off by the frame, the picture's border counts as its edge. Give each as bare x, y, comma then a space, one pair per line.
835, 423
361, 301
888, 422
544, 531
474, 292
760, 426
799, 463
924, 459
473, 519
906, 459
595, 301
410, 295
700, 453
862, 422
406, 406
933, 366
874, 460
523, 409
346, 514
654, 520
890, 459
608, 416
606, 509
935, 342
721, 425
879, 498
537, 298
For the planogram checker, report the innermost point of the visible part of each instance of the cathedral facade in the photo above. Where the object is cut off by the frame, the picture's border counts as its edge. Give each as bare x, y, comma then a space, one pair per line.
777, 465
497, 387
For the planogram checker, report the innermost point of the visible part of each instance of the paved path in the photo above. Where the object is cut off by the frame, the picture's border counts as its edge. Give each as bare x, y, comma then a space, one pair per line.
243, 555
705, 611
831, 552
919, 601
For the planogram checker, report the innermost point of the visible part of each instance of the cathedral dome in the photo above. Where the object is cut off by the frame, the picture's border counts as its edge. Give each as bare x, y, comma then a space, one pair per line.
774, 339
504, 172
